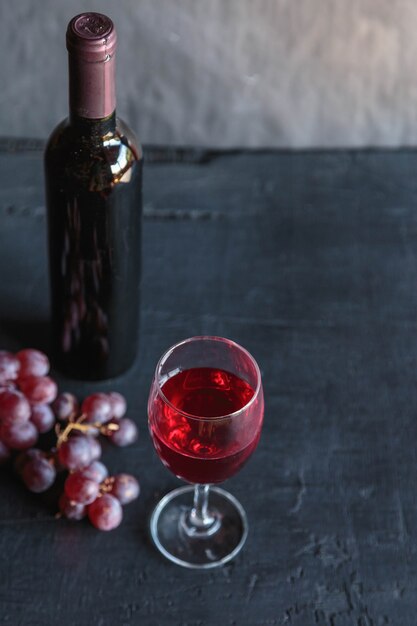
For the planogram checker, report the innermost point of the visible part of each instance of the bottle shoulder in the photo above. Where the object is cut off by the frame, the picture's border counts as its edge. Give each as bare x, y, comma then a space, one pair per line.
66, 135
107, 156
129, 136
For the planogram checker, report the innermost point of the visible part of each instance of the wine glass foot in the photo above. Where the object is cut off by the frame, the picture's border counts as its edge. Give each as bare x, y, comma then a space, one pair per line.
221, 542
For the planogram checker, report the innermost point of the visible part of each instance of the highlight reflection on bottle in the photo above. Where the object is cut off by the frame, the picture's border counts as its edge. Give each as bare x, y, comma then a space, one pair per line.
93, 172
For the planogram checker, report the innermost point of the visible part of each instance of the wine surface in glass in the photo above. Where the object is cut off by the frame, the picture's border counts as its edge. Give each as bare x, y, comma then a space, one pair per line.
207, 445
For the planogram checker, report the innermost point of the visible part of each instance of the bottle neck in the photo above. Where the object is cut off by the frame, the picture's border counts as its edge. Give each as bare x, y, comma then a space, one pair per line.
92, 94
93, 127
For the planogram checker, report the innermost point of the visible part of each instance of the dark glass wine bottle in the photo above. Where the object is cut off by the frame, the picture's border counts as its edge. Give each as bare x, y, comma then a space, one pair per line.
93, 172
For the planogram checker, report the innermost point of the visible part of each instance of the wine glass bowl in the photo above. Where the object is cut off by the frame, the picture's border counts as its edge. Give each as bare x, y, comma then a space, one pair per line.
205, 413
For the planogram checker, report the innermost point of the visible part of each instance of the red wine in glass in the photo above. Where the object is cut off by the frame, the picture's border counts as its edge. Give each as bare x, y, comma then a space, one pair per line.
205, 409
202, 450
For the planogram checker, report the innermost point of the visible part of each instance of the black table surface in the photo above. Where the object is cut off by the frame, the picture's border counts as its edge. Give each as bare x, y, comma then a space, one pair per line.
309, 259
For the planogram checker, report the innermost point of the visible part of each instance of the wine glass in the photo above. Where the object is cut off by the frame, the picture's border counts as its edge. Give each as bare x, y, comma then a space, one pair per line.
205, 413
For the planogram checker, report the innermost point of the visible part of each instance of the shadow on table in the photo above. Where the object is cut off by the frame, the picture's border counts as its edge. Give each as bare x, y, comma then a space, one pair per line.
16, 334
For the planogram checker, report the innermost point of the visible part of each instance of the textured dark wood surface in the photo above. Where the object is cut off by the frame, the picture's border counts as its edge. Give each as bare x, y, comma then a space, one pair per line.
310, 261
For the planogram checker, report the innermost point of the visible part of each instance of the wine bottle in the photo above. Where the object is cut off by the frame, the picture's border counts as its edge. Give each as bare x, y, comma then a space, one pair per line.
93, 174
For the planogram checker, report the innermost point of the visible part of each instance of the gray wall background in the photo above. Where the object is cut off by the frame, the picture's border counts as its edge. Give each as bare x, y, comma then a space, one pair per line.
297, 73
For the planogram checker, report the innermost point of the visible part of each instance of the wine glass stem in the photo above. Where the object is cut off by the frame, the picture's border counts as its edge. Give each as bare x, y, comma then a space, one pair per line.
198, 521
199, 515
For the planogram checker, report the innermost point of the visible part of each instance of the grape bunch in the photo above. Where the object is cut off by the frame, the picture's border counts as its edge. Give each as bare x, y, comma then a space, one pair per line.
91, 492
26, 393
29, 406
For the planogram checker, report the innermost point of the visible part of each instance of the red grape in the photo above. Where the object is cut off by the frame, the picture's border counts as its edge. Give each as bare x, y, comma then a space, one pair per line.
32, 363
4, 453
71, 510
126, 434
38, 474
95, 448
9, 385
96, 471
25, 456
39, 389
55, 455
64, 406
42, 417
105, 513
75, 453
125, 488
79, 488
19, 436
97, 408
9, 366
118, 404
14, 408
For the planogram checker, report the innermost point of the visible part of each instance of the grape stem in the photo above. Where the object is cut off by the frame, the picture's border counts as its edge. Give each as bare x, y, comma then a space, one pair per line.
63, 434
106, 485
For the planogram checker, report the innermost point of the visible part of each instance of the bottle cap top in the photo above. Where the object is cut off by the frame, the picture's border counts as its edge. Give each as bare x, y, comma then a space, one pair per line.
91, 36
